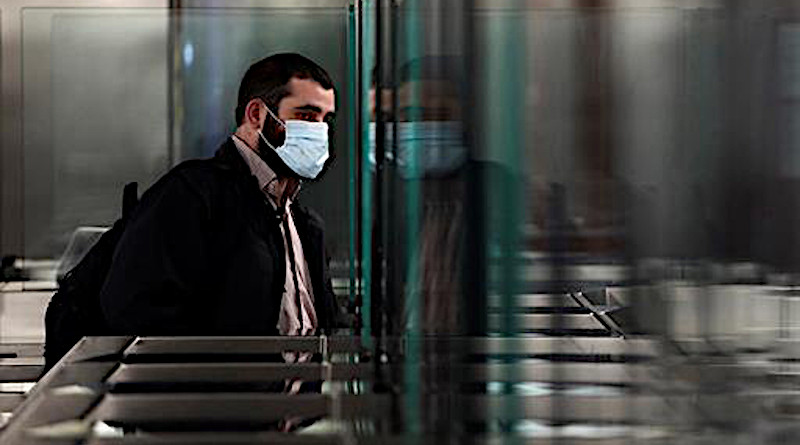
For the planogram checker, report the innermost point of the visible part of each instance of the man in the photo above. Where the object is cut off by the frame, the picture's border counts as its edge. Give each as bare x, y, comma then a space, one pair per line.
221, 246
430, 149
431, 157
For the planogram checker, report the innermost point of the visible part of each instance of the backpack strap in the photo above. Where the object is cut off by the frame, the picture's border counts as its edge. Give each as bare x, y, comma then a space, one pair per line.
130, 199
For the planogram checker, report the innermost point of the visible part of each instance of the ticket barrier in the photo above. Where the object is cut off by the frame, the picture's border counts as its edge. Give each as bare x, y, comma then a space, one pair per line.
21, 364
169, 390
570, 374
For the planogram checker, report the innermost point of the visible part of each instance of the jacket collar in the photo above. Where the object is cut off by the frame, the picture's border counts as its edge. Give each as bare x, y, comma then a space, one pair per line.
228, 157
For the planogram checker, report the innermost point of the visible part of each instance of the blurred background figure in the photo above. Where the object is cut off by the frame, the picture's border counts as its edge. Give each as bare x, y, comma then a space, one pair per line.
430, 149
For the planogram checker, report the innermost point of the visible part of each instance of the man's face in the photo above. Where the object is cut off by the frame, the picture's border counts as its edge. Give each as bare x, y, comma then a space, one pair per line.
308, 101
438, 101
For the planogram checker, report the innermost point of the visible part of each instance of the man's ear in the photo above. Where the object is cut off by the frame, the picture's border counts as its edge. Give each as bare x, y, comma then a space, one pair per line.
254, 114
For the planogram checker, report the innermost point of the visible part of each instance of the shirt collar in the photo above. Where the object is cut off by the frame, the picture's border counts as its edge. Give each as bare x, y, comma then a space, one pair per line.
268, 181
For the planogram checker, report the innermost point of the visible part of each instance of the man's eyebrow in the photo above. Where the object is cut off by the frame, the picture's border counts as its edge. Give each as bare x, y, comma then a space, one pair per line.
315, 109
309, 107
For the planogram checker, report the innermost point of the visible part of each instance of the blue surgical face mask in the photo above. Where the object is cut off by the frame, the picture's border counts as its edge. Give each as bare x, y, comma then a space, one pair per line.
305, 147
426, 148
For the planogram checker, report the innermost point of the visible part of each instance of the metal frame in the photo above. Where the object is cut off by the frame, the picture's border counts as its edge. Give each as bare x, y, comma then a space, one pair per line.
534, 322
21, 365
256, 374
247, 408
601, 313
519, 346
21, 369
94, 382
493, 5
521, 301
230, 4
553, 438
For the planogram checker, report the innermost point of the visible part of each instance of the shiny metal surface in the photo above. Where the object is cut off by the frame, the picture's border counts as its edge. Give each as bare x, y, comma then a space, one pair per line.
248, 408
25, 369
210, 408
294, 4
535, 322
788, 348
21, 365
493, 5
9, 401
225, 438
535, 300
319, 439
220, 374
222, 346
45, 404
22, 314
544, 345
89, 348
522, 345
21, 349
91, 383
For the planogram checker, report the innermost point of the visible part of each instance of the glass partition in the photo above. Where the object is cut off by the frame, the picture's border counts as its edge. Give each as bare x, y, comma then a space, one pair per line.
215, 46
118, 95
551, 170
96, 116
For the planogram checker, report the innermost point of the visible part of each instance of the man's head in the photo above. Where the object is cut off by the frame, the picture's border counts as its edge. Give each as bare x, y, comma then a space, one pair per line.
426, 120
437, 80
293, 88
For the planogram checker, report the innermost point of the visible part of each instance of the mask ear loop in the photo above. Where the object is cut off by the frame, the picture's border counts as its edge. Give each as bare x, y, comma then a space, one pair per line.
276, 117
260, 133
266, 141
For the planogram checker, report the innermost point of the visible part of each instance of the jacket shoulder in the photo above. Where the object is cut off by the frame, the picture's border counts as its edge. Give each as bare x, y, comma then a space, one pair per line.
200, 167
196, 180
201, 173
309, 215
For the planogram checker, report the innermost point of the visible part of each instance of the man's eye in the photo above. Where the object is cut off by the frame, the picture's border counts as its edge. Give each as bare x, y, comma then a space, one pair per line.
305, 115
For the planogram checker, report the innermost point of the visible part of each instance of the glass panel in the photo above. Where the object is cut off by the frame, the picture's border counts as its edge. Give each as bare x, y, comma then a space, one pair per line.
95, 116
158, 88
216, 46
629, 170
365, 180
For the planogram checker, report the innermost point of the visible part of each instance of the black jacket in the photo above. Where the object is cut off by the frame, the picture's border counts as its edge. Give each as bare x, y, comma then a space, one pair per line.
203, 255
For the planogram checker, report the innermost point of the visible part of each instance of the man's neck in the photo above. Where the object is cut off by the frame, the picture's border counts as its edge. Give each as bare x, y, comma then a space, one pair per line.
250, 138
286, 186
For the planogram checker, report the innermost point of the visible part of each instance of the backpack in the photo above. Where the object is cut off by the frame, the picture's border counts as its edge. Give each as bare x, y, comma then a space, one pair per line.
74, 310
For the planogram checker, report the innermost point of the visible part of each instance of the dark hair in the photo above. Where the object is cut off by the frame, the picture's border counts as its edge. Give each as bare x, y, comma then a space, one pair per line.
441, 67
267, 79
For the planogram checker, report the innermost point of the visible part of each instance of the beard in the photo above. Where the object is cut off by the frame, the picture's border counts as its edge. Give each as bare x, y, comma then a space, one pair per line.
276, 137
